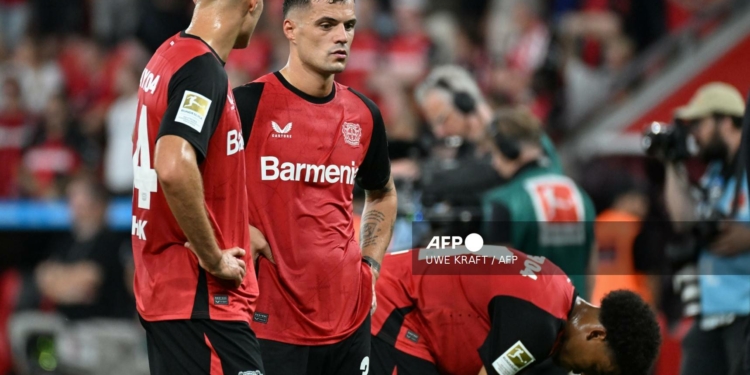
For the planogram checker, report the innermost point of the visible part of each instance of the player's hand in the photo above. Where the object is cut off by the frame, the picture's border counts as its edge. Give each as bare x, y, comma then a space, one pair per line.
733, 239
229, 266
259, 245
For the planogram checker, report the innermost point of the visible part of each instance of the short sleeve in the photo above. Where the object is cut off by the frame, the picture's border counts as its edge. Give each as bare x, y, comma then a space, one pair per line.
375, 170
498, 230
196, 98
511, 346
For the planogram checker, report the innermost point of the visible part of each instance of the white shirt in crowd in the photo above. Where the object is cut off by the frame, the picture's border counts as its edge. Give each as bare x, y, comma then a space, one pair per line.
118, 172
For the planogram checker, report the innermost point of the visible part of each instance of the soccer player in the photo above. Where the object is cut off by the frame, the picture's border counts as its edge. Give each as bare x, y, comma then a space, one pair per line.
309, 139
195, 301
502, 318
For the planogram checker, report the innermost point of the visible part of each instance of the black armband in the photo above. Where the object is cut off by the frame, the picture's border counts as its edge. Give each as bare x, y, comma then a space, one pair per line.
372, 262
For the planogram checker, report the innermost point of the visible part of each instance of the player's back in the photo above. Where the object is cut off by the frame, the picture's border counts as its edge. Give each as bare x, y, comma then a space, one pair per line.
169, 284
451, 305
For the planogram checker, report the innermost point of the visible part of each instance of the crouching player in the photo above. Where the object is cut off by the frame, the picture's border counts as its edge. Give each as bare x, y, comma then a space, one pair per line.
442, 321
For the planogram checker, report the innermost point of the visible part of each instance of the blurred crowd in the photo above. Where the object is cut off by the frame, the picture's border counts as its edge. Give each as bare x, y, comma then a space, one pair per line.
69, 70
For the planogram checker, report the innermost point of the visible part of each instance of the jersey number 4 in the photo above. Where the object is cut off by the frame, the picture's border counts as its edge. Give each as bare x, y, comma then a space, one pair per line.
144, 177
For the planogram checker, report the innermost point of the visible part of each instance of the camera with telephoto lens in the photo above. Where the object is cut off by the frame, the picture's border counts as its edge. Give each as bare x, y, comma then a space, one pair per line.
668, 142
702, 234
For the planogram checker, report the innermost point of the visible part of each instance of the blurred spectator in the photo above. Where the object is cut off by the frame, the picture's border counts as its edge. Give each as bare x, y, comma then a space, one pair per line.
589, 85
54, 154
526, 52
14, 129
121, 118
408, 52
500, 27
114, 20
55, 17
83, 63
161, 19
447, 38
85, 275
529, 46
365, 49
247, 64
14, 17
38, 73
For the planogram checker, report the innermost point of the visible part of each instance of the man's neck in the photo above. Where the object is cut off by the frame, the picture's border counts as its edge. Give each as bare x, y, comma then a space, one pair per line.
307, 80
208, 24
86, 230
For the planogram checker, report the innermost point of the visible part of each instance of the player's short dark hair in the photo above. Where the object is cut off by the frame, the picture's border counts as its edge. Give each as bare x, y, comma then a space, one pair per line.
633, 334
291, 4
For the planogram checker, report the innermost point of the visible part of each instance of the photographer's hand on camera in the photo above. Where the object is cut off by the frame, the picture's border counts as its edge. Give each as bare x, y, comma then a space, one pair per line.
733, 239
680, 202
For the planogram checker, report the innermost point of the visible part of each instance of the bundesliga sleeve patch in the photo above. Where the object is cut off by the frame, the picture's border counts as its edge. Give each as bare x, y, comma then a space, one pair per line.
513, 360
193, 110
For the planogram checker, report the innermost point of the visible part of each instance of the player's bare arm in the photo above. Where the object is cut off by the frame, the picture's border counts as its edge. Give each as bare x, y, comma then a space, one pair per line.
259, 245
378, 218
176, 168
483, 371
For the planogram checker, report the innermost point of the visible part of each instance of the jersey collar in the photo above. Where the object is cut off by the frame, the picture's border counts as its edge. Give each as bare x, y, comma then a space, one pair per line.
183, 34
303, 95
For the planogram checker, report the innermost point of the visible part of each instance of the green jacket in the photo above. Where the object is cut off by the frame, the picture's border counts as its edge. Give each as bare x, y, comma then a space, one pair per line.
542, 212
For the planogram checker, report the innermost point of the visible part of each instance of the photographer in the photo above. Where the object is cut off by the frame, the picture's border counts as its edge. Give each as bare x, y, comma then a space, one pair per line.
459, 171
457, 115
714, 215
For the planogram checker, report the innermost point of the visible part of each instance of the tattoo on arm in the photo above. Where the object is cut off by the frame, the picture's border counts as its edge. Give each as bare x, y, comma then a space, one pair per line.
370, 231
375, 194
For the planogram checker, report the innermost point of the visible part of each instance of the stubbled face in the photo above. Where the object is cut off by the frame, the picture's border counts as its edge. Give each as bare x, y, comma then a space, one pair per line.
444, 119
249, 21
322, 34
706, 134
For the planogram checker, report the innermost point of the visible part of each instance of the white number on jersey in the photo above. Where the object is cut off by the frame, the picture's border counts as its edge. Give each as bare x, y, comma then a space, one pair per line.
144, 177
533, 264
365, 365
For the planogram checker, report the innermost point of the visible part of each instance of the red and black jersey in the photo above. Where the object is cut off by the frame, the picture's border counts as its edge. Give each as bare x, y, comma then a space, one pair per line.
304, 155
184, 91
505, 321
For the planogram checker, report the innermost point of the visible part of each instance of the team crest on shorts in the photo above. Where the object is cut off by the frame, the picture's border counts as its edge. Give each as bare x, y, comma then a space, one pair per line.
352, 133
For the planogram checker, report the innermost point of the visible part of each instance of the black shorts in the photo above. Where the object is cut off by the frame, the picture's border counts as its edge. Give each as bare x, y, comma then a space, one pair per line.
350, 356
385, 358
202, 347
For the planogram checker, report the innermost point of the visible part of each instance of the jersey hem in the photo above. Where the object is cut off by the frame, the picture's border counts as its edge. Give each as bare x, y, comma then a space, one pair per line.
187, 316
414, 353
310, 341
